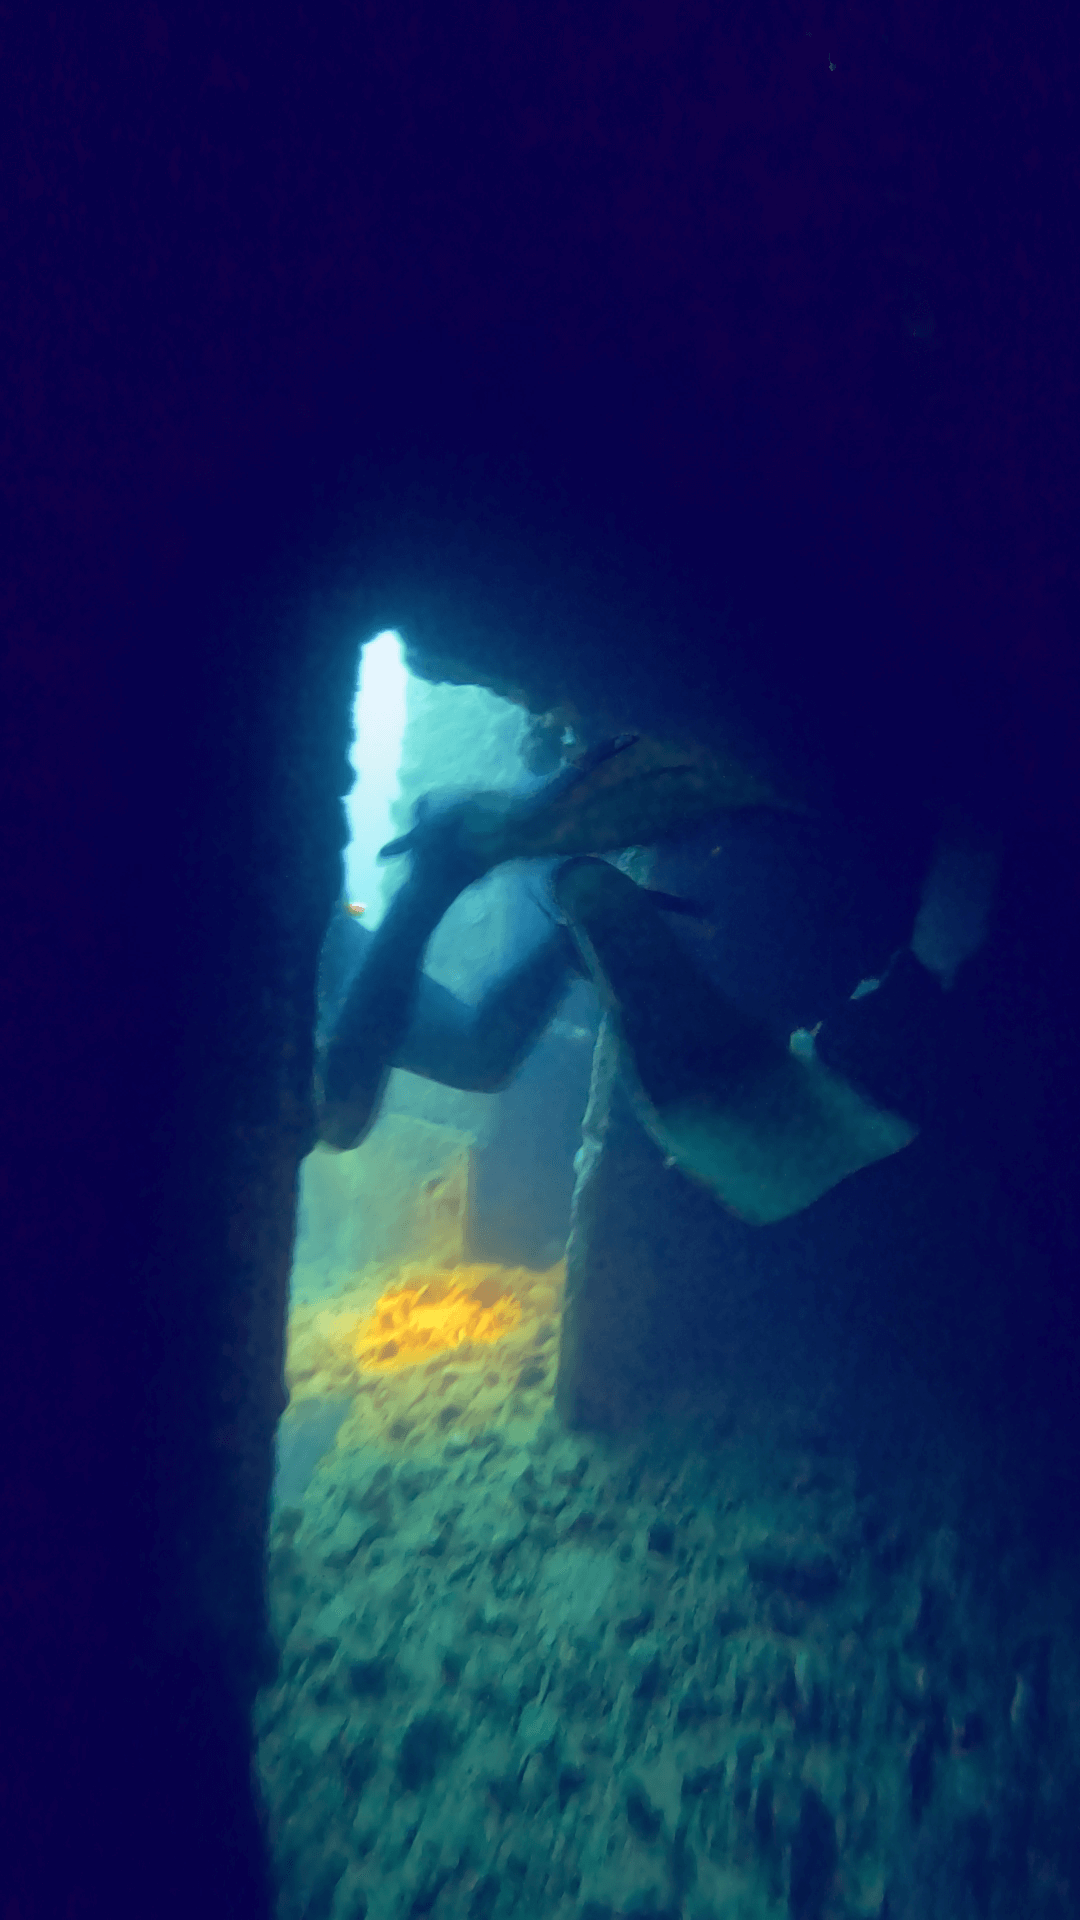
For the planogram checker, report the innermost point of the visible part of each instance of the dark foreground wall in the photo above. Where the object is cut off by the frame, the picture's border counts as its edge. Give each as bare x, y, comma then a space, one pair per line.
177, 769
799, 321
176, 860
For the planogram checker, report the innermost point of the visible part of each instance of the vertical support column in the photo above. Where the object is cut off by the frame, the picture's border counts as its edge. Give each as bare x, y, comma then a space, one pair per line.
605, 1379
607, 1376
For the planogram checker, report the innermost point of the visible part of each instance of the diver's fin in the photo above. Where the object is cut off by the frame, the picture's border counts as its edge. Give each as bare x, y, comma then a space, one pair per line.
466, 831
404, 843
771, 1145
768, 1130
626, 792
675, 903
631, 792
428, 808
586, 762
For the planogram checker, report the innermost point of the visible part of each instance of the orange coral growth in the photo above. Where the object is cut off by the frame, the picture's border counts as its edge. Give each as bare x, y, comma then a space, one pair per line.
462, 1347
412, 1323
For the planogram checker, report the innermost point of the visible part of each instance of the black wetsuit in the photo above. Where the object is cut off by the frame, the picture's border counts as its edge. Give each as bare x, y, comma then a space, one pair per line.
378, 1009
893, 1043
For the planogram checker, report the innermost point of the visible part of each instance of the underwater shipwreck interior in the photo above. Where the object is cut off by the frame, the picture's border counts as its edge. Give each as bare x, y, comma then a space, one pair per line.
541, 1368
626, 1557
513, 1528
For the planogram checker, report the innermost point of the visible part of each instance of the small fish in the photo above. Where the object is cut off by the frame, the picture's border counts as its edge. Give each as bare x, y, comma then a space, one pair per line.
356, 908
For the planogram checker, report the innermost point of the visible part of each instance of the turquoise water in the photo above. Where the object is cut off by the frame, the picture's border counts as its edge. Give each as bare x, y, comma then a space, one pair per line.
694, 1590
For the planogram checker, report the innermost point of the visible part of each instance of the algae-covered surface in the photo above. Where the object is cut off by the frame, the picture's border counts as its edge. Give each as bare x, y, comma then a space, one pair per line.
697, 1671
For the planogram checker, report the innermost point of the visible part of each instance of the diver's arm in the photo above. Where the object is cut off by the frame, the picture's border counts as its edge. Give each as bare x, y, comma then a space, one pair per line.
379, 1006
479, 1049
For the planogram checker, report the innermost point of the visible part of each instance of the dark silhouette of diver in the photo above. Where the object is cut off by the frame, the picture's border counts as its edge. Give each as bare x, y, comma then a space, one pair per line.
394, 1015
766, 1137
624, 792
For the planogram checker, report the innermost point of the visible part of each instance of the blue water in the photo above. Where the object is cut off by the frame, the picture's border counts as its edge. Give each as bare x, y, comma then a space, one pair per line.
753, 1616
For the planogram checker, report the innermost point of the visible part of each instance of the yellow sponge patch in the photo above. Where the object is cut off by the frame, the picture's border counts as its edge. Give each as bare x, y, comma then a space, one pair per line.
415, 1322
466, 1347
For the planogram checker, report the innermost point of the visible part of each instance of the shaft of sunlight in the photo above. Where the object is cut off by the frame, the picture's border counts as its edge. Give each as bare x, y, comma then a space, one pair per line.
379, 722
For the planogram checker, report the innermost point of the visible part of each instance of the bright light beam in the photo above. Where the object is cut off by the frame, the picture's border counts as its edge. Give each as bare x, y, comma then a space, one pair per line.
379, 720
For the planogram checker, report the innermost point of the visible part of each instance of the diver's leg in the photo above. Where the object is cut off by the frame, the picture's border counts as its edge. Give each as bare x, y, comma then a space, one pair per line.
342, 956
380, 1003
480, 1049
